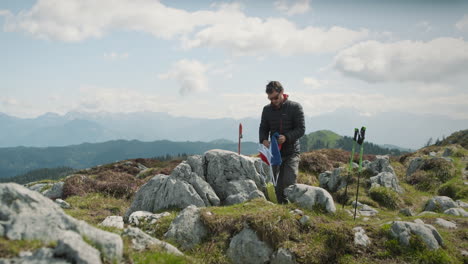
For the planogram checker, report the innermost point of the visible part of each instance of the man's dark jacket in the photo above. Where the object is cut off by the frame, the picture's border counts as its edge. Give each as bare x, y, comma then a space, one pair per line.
288, 120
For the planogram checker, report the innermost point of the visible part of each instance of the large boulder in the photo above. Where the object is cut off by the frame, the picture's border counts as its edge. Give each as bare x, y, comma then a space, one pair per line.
223, 167
164, 192
113, 221
387, 180
247, 248
72, 247
25, 214
333, 181
55, 192
414, 165
380, 164
187, 229
310, 196
456, 212
440, 204
403, 231
241, 191
142, 241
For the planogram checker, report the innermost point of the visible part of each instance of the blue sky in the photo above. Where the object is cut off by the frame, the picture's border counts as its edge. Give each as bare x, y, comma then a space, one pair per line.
212, 59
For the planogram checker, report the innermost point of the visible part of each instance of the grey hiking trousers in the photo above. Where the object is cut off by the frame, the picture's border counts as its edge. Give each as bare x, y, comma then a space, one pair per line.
287, 175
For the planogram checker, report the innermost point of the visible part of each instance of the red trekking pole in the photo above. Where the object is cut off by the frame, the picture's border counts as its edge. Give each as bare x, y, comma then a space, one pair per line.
240, 136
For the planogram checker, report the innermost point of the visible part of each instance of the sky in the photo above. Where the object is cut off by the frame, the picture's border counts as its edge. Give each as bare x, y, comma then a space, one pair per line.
212, 59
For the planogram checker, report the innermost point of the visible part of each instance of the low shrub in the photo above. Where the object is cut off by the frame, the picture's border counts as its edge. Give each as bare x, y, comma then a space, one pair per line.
385, 197
314, 162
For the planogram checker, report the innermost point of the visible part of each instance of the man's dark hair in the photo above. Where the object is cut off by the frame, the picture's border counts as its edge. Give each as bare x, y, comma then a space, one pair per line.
274, 86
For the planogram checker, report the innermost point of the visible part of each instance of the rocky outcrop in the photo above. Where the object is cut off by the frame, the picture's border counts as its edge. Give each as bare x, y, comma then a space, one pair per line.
360, 237
440, 204
223, 167
456, 212
187, 228
403, 231
446, 224
380, 164
226, 178
333, 181
25, 214
310, 196
247, 248
142, 241
388, 180
414, 165
56, 191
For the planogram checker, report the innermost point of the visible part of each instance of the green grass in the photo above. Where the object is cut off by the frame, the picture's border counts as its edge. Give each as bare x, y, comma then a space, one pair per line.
11, 248
95, 207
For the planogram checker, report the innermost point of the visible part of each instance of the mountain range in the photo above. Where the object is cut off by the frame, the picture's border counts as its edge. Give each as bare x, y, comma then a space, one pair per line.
399, 129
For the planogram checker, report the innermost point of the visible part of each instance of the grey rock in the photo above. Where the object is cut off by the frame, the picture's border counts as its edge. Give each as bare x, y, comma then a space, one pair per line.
187, 228
224, 166
456, 212
137, 217
403, 231
418, 221
407, 212
37, 187
462, 204
283, 256
62, 204
241, 191
144, 173
360, 237
308, 196
25, 214
141, 167
464, 253
380, 164
440, 204
40, 256
433, 154
447, 152
72, 247
414, 165
427, 213
333, 181
363, 209
247, 248
365, 164
113, 221
446, 224
164, 192
141, 241
56, 191
304, 220
387, 180
183, 172
196, 164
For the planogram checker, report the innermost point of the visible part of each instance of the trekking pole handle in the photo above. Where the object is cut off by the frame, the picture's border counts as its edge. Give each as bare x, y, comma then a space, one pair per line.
356, 131
362, 135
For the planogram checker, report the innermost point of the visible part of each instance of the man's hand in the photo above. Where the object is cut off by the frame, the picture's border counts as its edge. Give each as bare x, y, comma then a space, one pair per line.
281, 139
266, 143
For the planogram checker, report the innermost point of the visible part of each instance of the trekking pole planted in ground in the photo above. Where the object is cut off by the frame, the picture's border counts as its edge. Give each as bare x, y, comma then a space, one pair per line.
360, 142
356, 131
240, 136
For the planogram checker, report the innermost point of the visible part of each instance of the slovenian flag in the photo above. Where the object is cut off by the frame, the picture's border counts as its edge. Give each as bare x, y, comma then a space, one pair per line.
272, 155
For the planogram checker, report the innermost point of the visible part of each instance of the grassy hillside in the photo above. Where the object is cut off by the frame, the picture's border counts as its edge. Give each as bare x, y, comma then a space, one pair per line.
108, 190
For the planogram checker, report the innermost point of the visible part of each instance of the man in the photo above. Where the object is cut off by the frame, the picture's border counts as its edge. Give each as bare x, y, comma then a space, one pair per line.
287, 118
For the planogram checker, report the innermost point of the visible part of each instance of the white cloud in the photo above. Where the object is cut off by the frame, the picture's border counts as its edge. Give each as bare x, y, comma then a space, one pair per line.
225, 27
297, 7
462, 25
190, 74
314, 83
115, 55
407, 60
